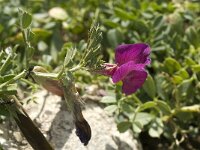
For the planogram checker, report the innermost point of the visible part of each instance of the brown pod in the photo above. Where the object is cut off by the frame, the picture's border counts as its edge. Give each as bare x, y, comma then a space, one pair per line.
33, 135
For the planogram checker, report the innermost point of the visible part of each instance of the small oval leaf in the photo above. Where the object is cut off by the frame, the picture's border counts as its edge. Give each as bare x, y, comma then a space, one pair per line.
26, 20
123, 126
137, 127
108, 99
147, 105
164, 107
110, 109
149, 87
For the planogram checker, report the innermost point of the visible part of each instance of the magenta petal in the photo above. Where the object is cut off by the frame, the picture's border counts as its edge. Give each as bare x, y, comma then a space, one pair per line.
108, 69
133, 81
122, 71
138, 53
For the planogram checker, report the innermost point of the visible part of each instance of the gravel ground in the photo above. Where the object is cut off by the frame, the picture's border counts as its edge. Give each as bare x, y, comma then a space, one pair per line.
53, 119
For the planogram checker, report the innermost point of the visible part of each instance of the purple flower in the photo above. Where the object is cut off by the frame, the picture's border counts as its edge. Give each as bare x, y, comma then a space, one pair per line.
131, 60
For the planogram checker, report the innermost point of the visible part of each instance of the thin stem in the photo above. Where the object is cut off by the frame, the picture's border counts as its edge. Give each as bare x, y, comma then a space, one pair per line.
76, 68
135, 114
6, 63
136, 99
26, 47
28, 82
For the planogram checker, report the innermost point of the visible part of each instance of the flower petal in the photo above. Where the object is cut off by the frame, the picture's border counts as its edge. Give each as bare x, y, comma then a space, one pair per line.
138, 53
133, 81
108, 69
122, 71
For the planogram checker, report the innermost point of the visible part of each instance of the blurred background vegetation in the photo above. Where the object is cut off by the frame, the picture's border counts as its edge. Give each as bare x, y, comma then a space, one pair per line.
165, 113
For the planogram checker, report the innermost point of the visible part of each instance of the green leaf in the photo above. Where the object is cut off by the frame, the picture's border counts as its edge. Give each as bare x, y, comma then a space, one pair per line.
123, 14
177, 79
26, 20
185, 89
123, 126
108, 99
143, 118
137, 127
110, 23
5, 66
192, 36
176, 22
66, 46
6, 78
156, 128
164, 107
195, 68
147, 105
56, 44
91, 57
41, 34
70, 55
11, 89
149, 87
158, 22
189, 61
162, 87
126, 107
136, 4
30, 52
159, 48
171, 65
111, 108
183, 73
140, 26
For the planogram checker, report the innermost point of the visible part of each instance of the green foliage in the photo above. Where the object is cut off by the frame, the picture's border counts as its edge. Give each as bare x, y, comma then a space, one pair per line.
7, 76
172, 33
167, 105
11, 77
91, 56
149, 87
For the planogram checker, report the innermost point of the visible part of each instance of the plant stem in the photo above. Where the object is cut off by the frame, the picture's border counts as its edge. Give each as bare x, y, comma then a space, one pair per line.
188, 109
76, 68
26, 47
6, 63
193, 108
136, 99
28, 82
